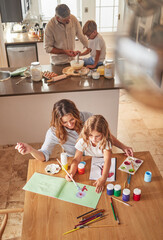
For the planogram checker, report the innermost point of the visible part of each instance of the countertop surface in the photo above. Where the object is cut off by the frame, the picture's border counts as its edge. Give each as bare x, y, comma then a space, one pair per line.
20, 38
70, 84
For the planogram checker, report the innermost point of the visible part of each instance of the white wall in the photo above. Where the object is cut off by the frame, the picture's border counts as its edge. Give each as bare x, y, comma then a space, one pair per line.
27, 118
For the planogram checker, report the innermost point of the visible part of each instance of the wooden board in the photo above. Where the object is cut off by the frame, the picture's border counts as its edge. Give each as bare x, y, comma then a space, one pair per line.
72, 72
48, 218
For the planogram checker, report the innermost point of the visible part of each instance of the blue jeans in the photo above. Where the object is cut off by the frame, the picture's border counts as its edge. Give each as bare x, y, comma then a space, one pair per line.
90, 61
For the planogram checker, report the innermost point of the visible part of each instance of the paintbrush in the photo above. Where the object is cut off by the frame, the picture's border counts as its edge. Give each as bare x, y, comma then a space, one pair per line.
69, 175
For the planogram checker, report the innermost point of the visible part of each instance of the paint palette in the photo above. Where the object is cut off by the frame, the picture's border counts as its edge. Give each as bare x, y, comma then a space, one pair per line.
130, 165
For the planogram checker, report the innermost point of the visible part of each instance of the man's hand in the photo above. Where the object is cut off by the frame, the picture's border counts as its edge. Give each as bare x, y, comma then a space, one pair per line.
70, 53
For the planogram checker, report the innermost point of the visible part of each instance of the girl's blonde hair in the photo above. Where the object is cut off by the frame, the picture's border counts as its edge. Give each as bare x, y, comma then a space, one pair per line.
96, 123
60, 109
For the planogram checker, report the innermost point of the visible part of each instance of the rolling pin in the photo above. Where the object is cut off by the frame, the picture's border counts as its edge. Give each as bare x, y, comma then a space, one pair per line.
58, 78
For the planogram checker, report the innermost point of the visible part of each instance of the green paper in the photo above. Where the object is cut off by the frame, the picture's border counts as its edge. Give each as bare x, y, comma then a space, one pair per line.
59, 188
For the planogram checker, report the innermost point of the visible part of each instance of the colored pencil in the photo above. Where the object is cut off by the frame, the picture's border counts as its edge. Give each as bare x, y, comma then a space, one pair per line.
111, 202
88, 220
127, 204
69, 175
100, 226
82, 226
87, 213
92, 214
118, 219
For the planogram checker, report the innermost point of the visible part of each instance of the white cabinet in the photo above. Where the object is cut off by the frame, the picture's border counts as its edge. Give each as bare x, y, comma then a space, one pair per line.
43, 57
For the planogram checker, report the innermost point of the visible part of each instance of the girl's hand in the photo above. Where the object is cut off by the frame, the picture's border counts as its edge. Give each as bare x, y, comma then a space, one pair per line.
23, 148
128, 151
68, 178
100, 183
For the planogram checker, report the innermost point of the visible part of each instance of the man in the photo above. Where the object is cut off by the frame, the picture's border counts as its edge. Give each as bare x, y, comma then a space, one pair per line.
60, 33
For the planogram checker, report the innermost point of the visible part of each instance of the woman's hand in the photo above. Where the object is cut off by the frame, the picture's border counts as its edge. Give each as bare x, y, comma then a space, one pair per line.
99, 183
68, 178
23, 148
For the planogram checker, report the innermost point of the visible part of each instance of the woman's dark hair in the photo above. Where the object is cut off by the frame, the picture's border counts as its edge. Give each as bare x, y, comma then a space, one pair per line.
60, 109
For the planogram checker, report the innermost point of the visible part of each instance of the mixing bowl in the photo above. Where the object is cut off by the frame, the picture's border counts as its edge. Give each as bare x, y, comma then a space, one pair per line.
75, 65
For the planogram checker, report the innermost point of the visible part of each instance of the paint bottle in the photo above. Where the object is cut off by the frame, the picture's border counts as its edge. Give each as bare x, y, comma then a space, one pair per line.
126, 195
110, 189
136, 194
117, 190
81, 168
147, 176
64, 160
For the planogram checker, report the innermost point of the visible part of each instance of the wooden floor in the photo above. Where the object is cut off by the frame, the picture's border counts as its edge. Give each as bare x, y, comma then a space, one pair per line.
138, 126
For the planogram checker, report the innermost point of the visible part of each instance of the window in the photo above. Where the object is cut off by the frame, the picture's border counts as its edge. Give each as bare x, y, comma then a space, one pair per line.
48, 8
107, 15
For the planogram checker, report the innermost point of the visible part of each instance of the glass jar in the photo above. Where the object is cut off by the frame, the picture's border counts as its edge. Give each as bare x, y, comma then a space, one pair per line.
109, 69
36, 72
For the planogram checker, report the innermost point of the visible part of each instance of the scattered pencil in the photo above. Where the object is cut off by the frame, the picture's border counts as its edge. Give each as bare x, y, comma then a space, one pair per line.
111, 202
127, 204
87, 213
118, 219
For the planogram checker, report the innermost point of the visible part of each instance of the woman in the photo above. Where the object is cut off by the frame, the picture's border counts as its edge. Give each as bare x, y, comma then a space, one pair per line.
65, 127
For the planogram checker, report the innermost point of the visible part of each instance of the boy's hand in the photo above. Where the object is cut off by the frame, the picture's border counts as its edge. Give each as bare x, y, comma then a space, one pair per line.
90, 66
68, 178
99, 183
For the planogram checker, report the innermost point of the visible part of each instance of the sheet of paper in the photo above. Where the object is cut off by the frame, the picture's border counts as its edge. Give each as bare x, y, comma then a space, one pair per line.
97, 168
130, 163
59, 188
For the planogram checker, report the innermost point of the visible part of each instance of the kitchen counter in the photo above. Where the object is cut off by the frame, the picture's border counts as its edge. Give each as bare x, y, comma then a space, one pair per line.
26, 108
20, 38
70, 84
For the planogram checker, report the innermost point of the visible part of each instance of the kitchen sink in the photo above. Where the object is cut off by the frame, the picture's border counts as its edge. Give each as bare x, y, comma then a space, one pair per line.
4, 75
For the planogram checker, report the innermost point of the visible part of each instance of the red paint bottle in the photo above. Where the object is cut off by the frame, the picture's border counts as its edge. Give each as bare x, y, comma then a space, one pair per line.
136, 194
81, 168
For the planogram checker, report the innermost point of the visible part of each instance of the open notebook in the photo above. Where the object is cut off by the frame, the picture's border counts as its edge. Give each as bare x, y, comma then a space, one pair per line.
58, 187
97, 168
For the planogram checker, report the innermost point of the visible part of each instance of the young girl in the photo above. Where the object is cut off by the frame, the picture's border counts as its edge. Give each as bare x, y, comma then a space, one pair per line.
95, 140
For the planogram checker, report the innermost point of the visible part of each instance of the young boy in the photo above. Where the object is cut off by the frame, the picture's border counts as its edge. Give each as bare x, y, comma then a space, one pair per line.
96, 46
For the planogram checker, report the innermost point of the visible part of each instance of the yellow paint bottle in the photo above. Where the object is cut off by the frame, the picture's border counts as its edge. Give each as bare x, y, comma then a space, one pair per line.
64, 160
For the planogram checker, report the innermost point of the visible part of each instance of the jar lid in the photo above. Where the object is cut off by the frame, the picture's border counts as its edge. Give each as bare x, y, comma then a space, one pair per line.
137, 191
81, 165
109, 61
117, 187
35, 63
110, 186
126, 191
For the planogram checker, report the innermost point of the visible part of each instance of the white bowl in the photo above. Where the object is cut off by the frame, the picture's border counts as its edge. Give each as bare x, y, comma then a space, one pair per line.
76, 65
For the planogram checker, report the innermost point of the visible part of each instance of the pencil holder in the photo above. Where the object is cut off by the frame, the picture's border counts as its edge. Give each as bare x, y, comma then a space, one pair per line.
147, 176
110, 189
126, 195
136, 194
81, 168
64, 160
117, 190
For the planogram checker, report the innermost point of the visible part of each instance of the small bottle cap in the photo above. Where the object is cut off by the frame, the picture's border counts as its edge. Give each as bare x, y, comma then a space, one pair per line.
126, 191
81, 166
117, 187
110, 186
35, 63
137, 191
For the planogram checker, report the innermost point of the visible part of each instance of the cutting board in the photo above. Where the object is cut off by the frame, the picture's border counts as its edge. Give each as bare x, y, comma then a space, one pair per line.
72, 72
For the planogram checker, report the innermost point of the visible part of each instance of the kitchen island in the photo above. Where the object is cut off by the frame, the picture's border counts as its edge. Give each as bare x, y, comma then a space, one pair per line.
26, 107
